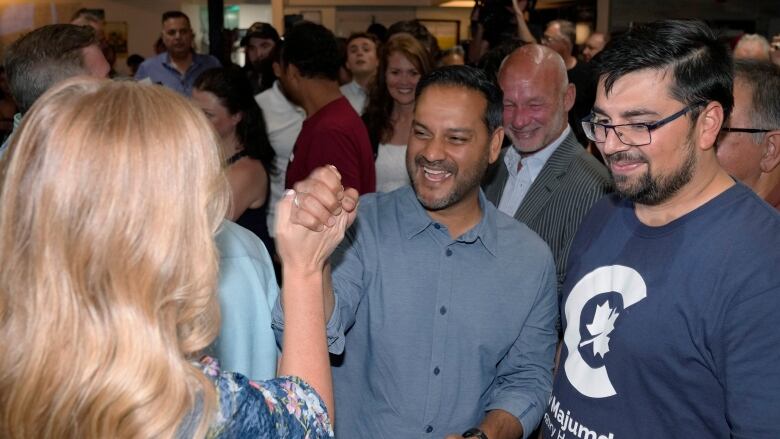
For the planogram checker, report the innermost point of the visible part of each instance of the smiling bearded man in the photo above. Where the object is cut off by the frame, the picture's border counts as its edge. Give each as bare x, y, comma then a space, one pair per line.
443, 308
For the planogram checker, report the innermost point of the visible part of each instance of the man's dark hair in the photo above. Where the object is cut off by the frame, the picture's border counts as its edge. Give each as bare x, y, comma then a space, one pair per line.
491, 61
763, 78
43, 57
261, 30
312, 49
379, 30
369, 36
167, 15
472, 79
701, 66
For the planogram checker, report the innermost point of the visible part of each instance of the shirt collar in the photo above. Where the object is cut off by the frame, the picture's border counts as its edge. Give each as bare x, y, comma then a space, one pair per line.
534, 162
414, 219
356, 87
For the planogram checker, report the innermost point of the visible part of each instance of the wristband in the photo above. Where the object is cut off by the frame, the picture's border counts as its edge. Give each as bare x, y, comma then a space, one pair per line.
475, 432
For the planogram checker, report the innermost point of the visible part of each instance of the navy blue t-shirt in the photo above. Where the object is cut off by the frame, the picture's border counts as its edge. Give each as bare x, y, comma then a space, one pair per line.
671, 331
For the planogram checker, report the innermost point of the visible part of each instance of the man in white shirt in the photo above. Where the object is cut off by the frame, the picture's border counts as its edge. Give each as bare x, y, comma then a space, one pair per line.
283, 122
546, 179
362, 62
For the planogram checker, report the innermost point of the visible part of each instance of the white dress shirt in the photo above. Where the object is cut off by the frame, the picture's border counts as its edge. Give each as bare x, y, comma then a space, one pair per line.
355, 95
520, 180
283, 122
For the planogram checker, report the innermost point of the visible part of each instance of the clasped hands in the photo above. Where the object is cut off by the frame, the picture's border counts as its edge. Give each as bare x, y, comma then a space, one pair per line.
312, 218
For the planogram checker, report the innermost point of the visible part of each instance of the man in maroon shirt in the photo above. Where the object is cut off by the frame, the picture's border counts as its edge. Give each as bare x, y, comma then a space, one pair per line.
333, 133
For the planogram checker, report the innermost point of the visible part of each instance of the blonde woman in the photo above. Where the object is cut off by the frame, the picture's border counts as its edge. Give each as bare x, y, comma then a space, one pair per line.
111, 193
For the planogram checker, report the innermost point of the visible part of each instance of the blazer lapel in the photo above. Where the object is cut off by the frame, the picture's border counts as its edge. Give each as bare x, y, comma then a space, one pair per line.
496, 178
548, 179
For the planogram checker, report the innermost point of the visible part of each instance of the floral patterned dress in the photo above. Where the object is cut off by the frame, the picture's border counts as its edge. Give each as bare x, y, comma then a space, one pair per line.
284, 407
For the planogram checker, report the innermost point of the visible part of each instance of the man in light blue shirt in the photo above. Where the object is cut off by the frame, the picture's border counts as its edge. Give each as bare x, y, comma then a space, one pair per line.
179, 66
443, 308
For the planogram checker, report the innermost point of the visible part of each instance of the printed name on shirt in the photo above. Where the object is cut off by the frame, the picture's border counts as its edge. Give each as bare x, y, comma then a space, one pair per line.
565, 424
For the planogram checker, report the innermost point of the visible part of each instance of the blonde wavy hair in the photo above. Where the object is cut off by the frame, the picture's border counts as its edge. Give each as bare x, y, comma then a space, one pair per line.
111, 193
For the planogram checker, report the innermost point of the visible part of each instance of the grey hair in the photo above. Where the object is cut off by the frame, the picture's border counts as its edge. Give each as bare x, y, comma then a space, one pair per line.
763, 78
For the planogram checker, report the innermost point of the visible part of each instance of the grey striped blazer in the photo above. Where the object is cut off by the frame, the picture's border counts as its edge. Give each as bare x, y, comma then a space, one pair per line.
570, 183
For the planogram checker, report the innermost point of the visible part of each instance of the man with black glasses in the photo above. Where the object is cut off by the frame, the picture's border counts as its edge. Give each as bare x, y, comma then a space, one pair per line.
749, 148
669, 317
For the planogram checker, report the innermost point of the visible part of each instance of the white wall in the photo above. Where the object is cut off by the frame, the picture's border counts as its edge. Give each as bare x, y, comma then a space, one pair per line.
251, 13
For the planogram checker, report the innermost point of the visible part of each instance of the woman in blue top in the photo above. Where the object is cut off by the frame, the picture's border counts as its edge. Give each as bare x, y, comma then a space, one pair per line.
111, 193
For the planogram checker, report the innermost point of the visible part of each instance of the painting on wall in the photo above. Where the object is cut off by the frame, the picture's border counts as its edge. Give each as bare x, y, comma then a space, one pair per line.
116, 35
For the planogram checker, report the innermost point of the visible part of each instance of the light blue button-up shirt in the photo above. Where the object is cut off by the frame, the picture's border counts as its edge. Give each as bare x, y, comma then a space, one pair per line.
247, 293
160, 71
428, 332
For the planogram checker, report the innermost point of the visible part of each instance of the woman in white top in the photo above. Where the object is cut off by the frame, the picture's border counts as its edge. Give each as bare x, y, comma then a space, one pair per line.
389, 113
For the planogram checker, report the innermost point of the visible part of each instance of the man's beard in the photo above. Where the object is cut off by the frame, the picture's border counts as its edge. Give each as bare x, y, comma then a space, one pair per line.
649, 190
464, 182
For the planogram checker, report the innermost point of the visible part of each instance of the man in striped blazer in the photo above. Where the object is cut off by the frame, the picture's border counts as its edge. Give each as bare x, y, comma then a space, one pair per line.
546, 179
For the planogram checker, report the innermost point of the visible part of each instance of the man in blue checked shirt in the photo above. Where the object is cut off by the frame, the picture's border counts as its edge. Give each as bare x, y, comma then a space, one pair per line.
443, 308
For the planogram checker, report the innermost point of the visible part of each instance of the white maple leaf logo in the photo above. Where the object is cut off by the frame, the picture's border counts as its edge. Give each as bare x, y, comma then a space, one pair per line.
602, 325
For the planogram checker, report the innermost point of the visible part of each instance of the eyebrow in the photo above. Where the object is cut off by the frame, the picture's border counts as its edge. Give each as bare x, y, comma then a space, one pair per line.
459, 131
629, 113
417, 124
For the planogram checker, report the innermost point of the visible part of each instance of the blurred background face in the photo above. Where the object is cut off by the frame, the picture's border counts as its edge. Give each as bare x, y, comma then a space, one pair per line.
177, 35
739, 153
402, 77
224, 123
593, 45
361, 57
258, 49
555, 40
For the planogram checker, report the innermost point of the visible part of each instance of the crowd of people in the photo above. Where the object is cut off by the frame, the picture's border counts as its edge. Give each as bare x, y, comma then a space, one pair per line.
378, 240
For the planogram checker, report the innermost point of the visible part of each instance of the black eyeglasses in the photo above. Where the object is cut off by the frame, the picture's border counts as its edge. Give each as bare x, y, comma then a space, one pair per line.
631, 134
744, 130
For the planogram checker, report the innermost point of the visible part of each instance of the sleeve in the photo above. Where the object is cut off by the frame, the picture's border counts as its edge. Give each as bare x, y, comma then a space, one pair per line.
338, 149
347, 280
748, 362
282, 407
295, 408
524, 376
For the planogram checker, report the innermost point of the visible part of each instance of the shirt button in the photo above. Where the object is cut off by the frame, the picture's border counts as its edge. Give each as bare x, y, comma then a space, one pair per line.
428, 429
436, 371
448, 252
443, 310
437, 225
